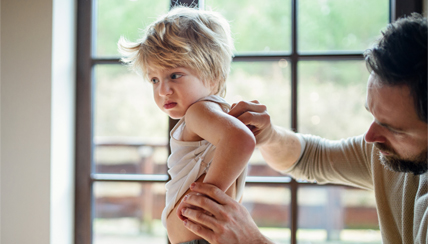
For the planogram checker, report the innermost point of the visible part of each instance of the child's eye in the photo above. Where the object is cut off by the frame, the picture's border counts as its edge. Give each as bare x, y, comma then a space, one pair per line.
154, 80
176, 76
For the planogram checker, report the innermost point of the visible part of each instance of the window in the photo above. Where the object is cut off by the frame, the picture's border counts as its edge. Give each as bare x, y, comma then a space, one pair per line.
302, 58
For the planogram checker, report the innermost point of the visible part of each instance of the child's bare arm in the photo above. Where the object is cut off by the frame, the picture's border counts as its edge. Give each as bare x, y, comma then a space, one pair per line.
234, 142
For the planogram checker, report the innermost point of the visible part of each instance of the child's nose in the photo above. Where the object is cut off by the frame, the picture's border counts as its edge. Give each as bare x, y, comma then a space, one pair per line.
165, 89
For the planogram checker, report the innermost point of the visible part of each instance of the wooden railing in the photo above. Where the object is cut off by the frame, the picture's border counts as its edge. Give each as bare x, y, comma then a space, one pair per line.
148, 205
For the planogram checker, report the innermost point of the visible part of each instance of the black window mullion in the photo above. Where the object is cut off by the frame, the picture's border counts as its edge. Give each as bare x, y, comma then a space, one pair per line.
294, 79
83, 184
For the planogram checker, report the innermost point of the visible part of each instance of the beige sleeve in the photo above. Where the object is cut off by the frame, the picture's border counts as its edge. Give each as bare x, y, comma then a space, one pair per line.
325, 161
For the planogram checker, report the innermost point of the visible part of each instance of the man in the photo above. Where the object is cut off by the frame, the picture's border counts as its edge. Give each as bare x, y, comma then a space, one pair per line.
390, 159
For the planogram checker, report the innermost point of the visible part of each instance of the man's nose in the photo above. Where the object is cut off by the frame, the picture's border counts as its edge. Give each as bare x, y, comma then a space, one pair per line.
374, 134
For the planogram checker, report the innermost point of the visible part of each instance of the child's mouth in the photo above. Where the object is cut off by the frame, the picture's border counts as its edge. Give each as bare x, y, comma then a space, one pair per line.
169, 105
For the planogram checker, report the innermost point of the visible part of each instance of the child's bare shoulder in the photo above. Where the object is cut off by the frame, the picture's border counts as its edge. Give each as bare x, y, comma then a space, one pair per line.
202, 119
203, 108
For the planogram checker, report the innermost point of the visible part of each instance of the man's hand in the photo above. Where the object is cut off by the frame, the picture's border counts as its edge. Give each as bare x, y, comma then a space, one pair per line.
279, 147
218, 218
255, 116
183, 205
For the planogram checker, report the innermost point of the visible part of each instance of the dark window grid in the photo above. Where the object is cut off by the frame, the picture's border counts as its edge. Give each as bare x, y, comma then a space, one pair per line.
84, 130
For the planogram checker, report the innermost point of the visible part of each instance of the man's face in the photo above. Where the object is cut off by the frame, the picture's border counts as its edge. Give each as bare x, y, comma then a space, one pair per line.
397, 132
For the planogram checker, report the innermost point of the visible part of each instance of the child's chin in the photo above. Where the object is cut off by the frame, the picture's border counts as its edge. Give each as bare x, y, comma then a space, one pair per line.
175, 116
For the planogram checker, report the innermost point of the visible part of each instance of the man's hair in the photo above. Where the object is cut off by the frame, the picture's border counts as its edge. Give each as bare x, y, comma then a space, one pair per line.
185, 37
400, 58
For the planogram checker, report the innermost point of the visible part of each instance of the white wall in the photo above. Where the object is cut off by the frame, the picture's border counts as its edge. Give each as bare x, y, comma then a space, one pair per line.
62, 122
37, 97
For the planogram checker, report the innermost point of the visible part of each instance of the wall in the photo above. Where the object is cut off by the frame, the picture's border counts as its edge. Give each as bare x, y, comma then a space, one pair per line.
37, 97
62, 122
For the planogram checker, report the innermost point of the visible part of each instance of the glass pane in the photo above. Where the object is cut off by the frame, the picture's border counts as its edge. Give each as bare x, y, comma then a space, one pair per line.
130, 131
257, 26
115, 18
331, 98
332, 25
269, 206
267, 82
128, 213
333, 214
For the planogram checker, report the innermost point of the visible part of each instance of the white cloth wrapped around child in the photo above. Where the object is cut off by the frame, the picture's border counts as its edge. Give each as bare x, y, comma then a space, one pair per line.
189, 160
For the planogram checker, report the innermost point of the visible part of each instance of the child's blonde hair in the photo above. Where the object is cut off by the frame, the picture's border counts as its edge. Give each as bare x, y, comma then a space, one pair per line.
185, 37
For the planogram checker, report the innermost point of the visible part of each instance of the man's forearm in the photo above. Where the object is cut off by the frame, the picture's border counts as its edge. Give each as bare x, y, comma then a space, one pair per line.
282, 149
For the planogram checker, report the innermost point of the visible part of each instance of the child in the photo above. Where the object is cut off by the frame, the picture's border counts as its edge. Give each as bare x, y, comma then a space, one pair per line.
186, 55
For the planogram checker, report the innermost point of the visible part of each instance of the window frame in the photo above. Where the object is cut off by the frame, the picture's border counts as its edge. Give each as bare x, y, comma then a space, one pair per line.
85, 63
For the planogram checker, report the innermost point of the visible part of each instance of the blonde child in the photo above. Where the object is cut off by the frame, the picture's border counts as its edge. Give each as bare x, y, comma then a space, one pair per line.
186, 55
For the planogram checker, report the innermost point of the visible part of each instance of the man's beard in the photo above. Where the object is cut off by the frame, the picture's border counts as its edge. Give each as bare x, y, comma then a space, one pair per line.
417, 164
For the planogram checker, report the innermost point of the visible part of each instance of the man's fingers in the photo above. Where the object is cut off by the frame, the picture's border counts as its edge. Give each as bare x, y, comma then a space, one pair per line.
244, 106
180, 207
202, 205
253, 114
199, 230
206, 221
252, 118
212, 192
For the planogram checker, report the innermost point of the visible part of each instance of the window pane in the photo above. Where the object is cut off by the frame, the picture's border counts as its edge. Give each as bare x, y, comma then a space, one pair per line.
269, 206
332, 25
130, 131
115, 18
335, 214
257, 26
331, 98
269, 83
128, 213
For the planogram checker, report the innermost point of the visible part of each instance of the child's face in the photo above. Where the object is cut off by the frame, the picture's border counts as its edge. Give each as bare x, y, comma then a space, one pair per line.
176, 89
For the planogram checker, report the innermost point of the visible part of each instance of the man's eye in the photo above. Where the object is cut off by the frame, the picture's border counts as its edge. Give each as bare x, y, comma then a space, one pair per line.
395, 132
154, 80
175, 76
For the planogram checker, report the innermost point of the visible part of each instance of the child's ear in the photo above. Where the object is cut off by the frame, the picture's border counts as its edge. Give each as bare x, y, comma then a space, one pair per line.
214, 87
